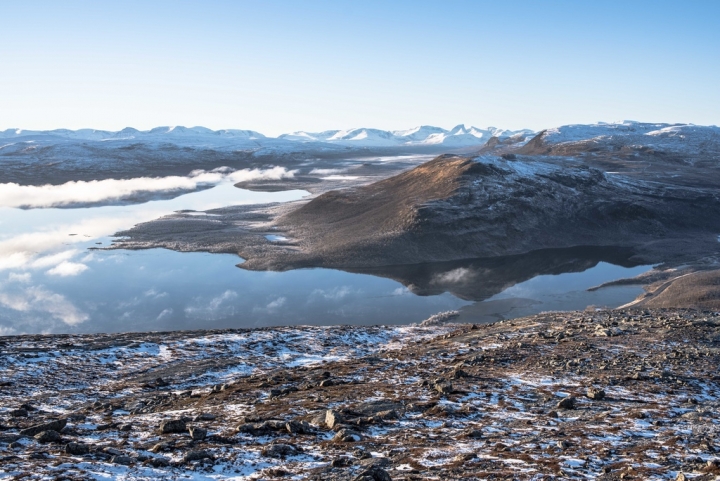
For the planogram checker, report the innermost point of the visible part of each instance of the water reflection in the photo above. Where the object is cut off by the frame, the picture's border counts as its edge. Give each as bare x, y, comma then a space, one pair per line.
31, 239
482, 278
51, 282
159, 289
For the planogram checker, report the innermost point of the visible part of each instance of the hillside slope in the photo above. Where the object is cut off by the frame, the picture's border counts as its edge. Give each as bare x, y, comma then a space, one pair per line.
458, 208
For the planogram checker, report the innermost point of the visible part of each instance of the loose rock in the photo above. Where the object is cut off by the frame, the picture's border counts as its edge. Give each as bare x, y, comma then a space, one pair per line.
279, 450
77, 449
173, 426
197, 433
567, 403
197, 456
347, 436
332, 418
56, 425
123, 460
595, 393
48, 437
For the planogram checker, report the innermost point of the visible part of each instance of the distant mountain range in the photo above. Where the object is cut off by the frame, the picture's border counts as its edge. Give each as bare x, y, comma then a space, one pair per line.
423, 135
562, 140
458, 136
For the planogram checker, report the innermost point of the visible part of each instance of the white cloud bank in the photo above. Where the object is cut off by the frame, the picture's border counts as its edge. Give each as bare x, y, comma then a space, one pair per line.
99, 191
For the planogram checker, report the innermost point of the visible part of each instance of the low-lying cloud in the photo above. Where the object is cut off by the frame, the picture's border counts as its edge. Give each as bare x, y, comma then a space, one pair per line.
83, 193
327, 171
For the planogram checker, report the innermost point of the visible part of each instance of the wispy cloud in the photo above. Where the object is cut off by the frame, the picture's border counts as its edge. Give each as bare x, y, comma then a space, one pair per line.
54, 259
327, 171
334, 294
276, 304
7, 331
23, 278
455, 276
152, 293
401, 291
39, 299
149, 295
217, 308
84, 193
272, 306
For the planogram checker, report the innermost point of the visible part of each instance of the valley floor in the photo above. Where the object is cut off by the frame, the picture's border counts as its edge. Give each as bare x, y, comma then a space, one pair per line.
624, 394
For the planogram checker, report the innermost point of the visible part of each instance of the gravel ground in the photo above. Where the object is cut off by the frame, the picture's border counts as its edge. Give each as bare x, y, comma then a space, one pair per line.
630, 394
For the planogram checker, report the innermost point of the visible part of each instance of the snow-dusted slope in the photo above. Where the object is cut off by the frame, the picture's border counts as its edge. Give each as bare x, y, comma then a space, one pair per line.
366, 137
180, 135
689, 137
689, 142
641, 133
458, 136
461, 135
626, 132
309, 136
418, 134
577, 132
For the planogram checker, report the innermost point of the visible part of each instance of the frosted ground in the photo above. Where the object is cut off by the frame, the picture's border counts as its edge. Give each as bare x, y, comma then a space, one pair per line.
579, 395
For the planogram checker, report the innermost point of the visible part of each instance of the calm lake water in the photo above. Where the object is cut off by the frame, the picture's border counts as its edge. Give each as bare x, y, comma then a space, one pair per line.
51, 282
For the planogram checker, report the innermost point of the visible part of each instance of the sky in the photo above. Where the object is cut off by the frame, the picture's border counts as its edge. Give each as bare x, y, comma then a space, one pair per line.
282, 66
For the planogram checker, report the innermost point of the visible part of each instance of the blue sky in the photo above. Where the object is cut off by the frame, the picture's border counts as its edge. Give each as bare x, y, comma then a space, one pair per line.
280, 66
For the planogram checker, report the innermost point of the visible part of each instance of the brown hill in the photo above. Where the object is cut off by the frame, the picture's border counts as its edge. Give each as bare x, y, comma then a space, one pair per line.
457, 208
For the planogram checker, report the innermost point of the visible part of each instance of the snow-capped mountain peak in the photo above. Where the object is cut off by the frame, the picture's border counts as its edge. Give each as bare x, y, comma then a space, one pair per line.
459, 129
459, 135
418, 134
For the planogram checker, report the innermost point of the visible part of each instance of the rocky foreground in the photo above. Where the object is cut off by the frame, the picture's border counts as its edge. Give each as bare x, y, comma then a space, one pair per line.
597, 394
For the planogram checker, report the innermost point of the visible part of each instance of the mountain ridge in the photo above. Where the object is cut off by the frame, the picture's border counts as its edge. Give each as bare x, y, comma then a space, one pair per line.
420, 136
460, 135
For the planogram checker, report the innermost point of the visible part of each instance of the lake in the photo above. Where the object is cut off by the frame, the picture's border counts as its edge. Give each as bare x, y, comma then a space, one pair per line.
51, 282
